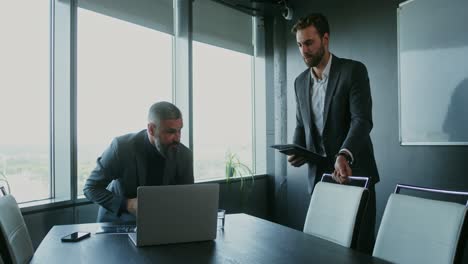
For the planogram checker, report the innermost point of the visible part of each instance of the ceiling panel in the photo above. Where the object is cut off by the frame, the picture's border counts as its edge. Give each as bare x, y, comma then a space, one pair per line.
256, 7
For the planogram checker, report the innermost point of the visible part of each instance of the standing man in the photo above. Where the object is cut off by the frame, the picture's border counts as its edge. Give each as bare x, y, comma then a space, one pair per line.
153, 156
334, 115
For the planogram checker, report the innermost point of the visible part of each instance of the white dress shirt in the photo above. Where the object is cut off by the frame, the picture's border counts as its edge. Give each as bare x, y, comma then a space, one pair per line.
319, 90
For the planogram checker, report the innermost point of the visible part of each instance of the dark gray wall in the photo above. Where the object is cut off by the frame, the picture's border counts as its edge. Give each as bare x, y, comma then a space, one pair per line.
39, 223
366, 30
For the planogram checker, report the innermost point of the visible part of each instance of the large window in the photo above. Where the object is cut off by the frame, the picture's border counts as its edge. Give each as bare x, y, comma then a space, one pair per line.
88, 71
25, 98
122, 68
222, 108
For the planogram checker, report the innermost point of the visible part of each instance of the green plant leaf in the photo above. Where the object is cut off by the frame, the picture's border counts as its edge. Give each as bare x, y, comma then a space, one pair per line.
234, 168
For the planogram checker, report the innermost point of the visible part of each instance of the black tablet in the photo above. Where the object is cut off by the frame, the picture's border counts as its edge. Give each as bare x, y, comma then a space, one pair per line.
294, 149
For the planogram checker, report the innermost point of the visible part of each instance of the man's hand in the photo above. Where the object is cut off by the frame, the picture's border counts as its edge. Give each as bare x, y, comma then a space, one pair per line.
132, 206
342, 170
296, 161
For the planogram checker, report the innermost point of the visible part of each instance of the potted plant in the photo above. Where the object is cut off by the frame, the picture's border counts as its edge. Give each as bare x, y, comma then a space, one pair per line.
234, 168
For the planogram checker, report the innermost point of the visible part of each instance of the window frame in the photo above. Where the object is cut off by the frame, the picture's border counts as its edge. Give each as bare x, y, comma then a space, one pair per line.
63, 99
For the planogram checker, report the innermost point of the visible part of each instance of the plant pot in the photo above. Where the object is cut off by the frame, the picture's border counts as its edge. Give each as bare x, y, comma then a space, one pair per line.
230, 171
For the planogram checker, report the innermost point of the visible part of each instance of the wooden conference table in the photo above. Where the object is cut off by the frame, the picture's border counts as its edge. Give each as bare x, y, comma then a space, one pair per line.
245, 239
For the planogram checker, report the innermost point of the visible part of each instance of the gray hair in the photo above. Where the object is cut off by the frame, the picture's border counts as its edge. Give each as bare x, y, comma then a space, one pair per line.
163, 111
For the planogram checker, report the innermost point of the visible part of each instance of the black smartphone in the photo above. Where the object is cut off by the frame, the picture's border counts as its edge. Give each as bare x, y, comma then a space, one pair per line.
75, 237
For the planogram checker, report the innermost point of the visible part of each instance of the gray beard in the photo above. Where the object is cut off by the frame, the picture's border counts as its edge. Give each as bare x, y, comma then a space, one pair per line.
164, 149
161, 148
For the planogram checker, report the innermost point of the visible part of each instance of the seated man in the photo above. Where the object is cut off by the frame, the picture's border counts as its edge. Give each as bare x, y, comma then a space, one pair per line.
153, 156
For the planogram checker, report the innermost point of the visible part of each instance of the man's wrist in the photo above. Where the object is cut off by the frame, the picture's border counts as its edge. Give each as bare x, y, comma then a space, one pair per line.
346, 156
123, 207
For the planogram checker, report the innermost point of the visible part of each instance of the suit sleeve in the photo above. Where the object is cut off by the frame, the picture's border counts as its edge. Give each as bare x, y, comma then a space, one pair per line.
107, 169
299, 134
360, 104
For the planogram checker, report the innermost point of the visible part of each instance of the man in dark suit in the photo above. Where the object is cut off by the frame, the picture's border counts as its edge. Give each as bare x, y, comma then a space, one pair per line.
334, 115
153, 156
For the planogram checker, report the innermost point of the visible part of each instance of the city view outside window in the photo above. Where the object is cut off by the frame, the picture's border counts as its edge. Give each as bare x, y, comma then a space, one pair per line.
25, 98
222, 109
122, 68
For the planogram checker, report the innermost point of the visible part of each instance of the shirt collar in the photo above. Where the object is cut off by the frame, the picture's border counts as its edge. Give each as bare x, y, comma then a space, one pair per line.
325, 73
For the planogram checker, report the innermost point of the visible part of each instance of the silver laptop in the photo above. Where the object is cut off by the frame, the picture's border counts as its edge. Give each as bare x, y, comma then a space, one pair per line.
175, 214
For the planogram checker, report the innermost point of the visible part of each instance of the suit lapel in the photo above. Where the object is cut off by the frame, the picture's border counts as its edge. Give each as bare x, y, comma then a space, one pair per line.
332, 83
141, 163
306, 95
141, 170
170, 169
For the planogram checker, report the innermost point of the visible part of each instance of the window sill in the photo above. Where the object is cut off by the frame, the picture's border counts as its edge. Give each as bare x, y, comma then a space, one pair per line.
53, 204
50, 204
235, 179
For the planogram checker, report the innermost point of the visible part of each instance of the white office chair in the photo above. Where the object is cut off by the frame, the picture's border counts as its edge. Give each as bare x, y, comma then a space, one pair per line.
335, 211
418, 230
14, 231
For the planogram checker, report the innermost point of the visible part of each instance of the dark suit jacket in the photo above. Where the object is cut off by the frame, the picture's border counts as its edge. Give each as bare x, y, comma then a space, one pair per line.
123, 167
347, 118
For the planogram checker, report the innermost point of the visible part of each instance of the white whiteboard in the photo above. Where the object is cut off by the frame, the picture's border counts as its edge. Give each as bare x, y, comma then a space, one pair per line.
433, 72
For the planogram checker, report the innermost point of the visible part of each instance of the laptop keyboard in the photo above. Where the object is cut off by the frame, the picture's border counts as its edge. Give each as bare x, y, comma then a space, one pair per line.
116, 229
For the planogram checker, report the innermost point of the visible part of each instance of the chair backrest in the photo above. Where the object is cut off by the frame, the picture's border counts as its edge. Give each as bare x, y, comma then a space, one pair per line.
14, 231
3, 192
419, 230
326, 177
335, 212
4, 254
